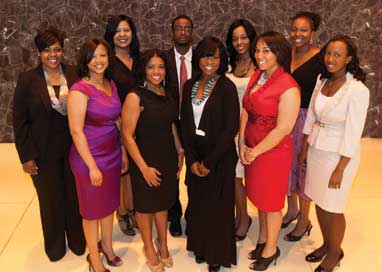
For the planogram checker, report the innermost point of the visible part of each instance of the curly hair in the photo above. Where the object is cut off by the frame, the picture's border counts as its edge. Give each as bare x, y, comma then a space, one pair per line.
353, 66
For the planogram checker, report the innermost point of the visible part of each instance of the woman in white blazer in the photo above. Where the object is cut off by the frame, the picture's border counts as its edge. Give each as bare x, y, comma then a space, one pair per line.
333, 128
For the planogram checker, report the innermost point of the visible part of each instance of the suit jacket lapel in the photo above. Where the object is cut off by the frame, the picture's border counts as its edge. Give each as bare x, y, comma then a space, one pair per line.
40, 87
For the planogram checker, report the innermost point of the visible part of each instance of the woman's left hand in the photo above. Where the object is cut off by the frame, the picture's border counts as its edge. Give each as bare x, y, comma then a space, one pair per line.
336, 179
180, 163
203, 170
125, 160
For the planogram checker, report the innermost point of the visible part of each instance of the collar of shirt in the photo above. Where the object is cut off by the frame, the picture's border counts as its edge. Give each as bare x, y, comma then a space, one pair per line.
187, 56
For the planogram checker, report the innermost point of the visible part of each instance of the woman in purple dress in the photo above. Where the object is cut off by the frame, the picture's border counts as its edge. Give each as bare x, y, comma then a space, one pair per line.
96, 156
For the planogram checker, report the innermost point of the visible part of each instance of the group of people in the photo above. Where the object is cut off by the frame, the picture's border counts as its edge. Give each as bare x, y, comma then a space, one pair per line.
112, 133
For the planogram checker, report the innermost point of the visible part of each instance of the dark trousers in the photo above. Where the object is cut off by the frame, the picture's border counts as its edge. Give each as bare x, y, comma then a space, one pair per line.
175, 212
59, 210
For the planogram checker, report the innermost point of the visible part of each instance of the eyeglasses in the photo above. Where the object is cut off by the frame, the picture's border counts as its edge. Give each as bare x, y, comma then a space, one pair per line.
55, 50
183, 28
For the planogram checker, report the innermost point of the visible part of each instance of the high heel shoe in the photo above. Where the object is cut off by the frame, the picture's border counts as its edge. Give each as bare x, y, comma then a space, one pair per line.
153, 268
91, 268
287, 223
133, 221
214, 268
294, 238
242, 237
321, 269
256, 253
167, 262
313, 258
263, 263
116, 261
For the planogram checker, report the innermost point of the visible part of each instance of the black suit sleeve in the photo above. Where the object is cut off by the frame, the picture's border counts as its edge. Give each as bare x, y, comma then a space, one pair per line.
21, 122
231, 118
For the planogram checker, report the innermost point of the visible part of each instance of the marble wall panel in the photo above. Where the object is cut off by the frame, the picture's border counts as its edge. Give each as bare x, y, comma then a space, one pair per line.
19, 19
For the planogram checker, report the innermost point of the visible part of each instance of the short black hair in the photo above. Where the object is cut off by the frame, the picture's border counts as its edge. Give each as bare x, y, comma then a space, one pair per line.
251, 33
47, 37
279, 46
353, 66
313, 18
182, 16
111, 29
207, 48
86, 55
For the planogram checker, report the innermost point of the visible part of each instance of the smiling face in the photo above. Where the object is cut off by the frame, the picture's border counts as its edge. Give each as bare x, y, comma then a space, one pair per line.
210, 65
100, 61
155, 71
51, 56
240, 40
265, 58
336, 57
301, 32
123, 35
182, 32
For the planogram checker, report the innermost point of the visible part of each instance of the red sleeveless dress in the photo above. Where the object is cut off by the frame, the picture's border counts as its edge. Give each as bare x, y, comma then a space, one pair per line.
266, 178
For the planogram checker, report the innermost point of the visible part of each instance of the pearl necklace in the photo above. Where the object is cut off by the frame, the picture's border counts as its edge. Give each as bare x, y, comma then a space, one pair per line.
206, 91
261, 81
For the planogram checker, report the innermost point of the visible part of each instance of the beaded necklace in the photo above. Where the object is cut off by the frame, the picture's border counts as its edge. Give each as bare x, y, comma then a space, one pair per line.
206, 91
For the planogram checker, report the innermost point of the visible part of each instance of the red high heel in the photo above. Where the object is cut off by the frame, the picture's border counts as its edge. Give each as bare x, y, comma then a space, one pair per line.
116, 261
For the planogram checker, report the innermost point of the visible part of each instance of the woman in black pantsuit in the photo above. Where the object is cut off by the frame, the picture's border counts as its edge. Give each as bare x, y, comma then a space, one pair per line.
43, 140
209, 123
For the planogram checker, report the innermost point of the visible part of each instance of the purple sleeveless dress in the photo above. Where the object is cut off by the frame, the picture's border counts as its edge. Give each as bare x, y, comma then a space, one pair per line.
103, 139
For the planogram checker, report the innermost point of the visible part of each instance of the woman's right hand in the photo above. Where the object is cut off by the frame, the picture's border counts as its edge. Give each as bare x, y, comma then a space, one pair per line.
195, 169
243, 149
30, 167
96, 176
152, 176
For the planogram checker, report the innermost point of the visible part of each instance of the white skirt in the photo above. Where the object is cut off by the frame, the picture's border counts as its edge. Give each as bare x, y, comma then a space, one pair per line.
320, 166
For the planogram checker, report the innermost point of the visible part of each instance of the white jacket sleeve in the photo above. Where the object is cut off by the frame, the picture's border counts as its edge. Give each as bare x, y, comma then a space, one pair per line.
355, 120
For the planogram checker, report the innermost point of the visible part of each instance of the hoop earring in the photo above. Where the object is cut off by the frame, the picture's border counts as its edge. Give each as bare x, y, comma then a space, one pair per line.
311, 41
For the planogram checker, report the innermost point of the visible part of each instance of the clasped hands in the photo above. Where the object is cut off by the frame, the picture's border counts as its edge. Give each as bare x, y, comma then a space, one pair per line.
247, 154
199, 169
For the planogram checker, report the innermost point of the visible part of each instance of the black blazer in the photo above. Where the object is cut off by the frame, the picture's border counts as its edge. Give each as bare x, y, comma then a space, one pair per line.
172, 73
32, 113
219, 121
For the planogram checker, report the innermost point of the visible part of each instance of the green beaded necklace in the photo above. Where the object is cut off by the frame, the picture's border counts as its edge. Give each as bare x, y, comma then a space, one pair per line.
206, 91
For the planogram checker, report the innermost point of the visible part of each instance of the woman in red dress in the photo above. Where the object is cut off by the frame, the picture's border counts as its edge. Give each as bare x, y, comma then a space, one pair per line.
270, 108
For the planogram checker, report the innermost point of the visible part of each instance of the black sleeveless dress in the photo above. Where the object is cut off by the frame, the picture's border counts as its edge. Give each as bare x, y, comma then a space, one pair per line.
156, 143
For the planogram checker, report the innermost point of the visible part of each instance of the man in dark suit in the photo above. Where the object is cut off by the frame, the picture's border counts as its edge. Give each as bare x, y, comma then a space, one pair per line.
179, 71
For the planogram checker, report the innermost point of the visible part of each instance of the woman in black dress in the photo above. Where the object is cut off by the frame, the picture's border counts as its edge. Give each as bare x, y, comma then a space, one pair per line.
126, 71
148, 123
209, 122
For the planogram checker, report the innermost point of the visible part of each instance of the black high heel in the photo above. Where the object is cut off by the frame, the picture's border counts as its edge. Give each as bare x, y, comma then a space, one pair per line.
321, 269
263, 263
214, 268
256, 253
312, 258
287, 223
242, 237
91, 268
294, 238
116, 261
